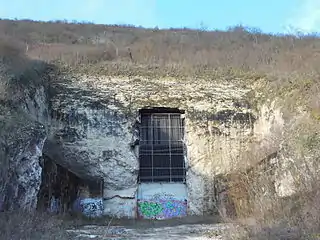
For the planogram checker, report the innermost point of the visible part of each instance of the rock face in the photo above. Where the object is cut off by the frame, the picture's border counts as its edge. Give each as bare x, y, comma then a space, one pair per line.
22, 135
22, 152
91, 127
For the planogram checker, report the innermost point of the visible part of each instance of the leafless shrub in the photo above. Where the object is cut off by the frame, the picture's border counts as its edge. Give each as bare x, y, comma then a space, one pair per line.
294, 215
9, 47
197, 50
21, 225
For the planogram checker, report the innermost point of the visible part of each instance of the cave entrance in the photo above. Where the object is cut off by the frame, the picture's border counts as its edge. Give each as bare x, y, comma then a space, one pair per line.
61, 190
161, 145
162, 192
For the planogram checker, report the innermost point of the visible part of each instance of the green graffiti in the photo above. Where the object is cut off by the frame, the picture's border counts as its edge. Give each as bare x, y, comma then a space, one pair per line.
150, 209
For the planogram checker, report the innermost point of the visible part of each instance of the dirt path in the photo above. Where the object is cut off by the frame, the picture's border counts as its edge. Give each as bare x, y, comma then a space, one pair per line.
185, 231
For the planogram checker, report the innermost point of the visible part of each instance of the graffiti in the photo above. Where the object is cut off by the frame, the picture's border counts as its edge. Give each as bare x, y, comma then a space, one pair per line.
150, 209
162, 196
90, 207
175, 208
162, 208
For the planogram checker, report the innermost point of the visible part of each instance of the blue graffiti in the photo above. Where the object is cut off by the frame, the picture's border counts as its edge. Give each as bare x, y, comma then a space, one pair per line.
90, 207
174, 208
165, 208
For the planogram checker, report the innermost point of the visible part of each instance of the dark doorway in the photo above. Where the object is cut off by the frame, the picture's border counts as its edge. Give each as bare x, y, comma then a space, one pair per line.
60, 188
161, 150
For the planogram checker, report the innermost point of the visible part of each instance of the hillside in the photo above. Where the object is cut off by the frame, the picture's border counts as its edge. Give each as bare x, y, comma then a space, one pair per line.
63, 77
176, 49
278, 66
240, 54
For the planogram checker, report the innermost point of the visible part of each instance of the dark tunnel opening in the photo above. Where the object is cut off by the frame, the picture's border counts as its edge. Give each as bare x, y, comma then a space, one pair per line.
61, 190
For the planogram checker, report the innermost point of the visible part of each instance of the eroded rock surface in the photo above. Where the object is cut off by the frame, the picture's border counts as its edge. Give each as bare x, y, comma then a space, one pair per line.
21, 136
21, 151
92, 125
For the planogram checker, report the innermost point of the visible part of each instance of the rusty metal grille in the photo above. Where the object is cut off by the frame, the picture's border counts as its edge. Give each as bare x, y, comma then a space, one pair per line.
161, 152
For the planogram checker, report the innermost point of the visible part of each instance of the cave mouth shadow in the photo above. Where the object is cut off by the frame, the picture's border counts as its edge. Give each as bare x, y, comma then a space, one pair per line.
61, 190
161, 147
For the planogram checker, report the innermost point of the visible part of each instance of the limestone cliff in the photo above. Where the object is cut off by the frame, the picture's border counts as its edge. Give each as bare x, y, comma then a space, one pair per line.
96, 119
89, 124
21, 136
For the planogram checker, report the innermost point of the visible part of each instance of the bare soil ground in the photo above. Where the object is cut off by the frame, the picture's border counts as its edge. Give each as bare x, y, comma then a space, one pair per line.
194, 228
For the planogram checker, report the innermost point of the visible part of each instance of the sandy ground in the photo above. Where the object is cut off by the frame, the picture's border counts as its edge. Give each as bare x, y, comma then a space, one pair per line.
189, 229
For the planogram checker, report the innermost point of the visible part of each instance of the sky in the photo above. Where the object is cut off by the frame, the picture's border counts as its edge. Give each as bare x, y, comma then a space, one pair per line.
272, 16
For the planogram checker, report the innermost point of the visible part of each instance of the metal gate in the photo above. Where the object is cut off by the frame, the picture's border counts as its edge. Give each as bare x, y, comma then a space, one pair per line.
161, 151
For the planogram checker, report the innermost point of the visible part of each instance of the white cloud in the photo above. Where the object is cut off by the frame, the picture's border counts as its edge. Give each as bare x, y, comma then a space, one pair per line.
306, 17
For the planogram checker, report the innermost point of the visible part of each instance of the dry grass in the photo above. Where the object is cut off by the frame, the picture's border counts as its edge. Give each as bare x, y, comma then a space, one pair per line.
280, 65
21, 225
181, 49
256, 195
283, 63
264, 216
